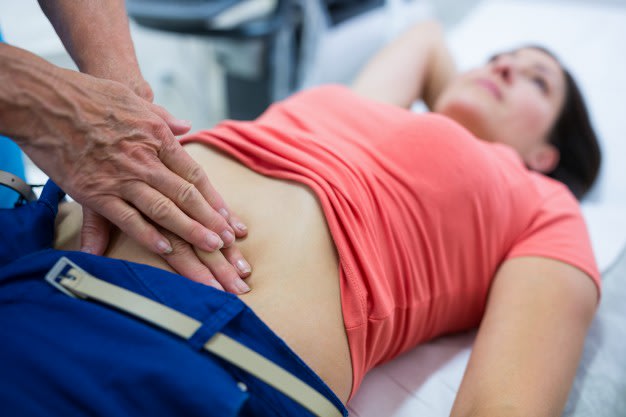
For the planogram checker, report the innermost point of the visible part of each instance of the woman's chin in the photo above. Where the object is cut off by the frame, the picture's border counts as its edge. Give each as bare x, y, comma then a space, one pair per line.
473, 117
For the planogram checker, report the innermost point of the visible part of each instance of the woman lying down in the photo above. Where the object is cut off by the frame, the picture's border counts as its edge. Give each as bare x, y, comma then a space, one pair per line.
372, 229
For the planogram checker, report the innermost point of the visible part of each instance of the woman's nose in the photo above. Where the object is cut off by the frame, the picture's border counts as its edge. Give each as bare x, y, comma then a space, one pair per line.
504, 67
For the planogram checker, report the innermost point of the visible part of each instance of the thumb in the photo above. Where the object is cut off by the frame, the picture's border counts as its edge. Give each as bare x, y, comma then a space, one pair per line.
94, 235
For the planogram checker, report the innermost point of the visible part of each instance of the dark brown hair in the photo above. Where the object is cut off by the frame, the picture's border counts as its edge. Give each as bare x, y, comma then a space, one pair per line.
574, 137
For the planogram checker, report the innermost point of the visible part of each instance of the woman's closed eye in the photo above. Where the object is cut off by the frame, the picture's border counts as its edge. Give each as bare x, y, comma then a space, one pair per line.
541, 83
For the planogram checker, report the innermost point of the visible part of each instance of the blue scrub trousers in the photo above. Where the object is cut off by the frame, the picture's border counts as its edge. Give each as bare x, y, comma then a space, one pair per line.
70, 357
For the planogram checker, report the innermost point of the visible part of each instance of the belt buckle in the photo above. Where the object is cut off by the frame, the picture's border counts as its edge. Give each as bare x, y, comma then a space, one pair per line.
64, 269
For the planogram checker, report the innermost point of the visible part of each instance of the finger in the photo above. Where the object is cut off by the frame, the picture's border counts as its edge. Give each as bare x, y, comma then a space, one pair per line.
129, 220
177, 126
186, 262
234, 256
165, 213
175, 158
178, 160
224, 272
94, 234
240, 228
183, 191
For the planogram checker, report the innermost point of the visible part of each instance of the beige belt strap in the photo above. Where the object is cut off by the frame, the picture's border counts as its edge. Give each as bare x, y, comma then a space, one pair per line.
15, 183
74, 281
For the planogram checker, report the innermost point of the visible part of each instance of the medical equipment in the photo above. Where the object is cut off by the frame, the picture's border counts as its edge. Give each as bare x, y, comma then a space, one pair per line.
270, 48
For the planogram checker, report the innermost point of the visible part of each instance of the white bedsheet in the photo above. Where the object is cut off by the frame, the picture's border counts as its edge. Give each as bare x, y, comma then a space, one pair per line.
590, 41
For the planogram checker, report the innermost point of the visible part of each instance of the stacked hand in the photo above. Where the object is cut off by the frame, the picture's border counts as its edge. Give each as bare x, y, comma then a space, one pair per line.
100, 137
116, 153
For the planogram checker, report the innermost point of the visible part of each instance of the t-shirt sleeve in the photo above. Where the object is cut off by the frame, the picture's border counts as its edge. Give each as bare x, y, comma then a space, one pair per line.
558, 231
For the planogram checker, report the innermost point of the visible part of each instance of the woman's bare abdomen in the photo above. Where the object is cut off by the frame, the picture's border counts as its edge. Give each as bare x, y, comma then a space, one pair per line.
295, 278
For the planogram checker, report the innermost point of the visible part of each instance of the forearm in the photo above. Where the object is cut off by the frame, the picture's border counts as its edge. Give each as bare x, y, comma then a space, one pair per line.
97, 37
529, 344
51, 112
31, 92
417, 65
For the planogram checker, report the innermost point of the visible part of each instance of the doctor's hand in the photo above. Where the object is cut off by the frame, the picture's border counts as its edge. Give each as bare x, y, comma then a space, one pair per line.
224, 269
133, 171
115, 153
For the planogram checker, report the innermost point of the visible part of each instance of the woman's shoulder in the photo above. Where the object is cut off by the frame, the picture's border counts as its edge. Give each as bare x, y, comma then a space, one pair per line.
556, 228
553, 194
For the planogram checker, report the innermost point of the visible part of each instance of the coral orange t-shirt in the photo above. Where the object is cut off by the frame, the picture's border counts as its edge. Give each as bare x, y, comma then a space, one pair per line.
422, 212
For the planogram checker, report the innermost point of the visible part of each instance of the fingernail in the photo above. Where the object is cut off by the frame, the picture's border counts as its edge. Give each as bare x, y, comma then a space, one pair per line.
242, 286
86, 249
186, 123
228, 237
241, 227
164, 247
216, 284
223, 212
243, 266
214, 241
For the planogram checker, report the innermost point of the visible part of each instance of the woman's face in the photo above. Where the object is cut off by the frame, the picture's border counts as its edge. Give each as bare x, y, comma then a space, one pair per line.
514, 99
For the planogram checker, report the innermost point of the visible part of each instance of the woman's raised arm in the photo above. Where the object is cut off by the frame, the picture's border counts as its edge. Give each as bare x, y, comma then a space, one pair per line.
417, 65
530, 341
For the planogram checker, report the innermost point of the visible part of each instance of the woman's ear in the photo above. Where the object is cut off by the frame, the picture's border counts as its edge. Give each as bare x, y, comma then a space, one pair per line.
544, 158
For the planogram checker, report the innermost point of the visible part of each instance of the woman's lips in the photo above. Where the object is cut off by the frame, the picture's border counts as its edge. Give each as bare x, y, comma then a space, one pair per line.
491, 87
